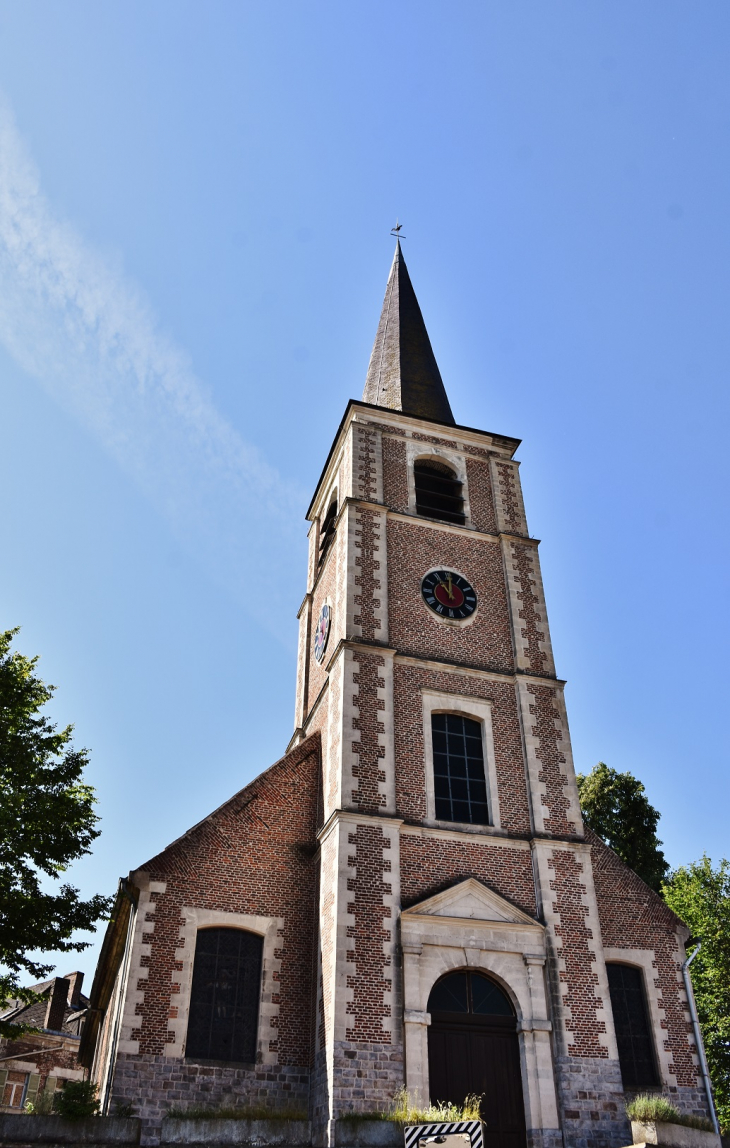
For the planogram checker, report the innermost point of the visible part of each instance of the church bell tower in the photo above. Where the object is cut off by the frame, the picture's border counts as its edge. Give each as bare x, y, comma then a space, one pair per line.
451, 831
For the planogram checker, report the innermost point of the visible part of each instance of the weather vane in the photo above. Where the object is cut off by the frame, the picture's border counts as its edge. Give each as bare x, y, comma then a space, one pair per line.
396, 230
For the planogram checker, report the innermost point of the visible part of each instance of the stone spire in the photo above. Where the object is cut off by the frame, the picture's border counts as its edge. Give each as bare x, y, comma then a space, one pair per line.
403, 374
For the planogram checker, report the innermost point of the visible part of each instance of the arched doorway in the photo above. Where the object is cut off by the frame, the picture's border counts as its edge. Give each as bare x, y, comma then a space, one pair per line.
473, 1049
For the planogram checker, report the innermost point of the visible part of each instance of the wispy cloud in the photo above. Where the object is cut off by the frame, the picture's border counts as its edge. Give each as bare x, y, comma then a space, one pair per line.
90, 338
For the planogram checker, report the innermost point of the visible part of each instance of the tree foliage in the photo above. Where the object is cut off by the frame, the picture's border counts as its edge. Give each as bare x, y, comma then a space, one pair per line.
700, 895
616, 807
47, 820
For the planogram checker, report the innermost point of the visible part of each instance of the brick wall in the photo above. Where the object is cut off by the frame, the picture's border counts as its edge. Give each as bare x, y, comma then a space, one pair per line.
582, 1005
395, 476
369, 616
508, 497
633, 917
480, 495
429, 864
254, 855
549, 752
367, 727
371, 976
408, 680
413, 549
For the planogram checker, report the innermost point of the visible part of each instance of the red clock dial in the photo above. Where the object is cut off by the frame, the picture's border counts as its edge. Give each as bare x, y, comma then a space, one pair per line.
448, 594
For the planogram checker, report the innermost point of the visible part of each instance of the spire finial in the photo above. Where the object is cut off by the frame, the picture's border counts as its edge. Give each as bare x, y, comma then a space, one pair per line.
396, 230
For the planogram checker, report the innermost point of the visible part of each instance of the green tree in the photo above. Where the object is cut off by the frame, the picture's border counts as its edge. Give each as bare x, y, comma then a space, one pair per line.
47, 820
700, 895
616, 807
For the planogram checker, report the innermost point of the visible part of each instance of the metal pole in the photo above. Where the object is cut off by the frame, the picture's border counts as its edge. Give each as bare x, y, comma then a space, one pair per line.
698, 1036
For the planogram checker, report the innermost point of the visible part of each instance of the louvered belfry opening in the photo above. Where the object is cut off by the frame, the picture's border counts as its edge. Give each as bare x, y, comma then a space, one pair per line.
438, 492
327, 533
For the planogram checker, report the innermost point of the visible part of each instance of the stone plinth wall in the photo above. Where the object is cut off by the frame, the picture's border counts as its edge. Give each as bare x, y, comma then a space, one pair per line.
153, 1084
53, 1131
591, 1097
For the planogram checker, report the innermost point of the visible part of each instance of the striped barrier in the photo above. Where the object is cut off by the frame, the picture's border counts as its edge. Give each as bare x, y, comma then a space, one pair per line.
420, 1134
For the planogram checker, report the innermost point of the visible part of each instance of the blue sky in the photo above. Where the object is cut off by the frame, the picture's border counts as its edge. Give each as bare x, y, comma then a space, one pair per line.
195, 205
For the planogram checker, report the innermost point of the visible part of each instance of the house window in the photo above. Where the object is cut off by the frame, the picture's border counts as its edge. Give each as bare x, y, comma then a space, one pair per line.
460, 788
631, 1022
327, 532
15, 1089
224, 1000
438, 492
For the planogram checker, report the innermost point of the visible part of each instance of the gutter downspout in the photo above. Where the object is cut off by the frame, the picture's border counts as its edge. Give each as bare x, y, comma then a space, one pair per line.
698, 1036
119, 1010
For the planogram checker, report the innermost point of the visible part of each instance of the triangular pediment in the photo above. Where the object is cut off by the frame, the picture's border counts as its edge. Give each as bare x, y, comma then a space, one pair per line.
470, 900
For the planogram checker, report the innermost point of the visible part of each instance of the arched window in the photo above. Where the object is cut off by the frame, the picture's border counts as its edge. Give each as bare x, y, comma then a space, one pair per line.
224, 1001
460, 788
631, 1022
438, 491
469, 993
327, 532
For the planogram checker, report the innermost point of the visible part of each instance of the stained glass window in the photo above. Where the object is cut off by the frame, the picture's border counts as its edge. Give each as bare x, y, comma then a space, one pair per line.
631, 1022
224, 1001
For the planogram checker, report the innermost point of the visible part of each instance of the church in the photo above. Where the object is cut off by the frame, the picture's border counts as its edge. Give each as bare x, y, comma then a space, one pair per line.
408, 898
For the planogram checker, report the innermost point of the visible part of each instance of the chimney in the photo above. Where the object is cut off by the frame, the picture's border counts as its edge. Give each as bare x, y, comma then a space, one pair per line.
75, 980
57, 1002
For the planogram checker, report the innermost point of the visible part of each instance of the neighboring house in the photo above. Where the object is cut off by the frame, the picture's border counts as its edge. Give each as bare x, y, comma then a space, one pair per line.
44, 1060
409, 896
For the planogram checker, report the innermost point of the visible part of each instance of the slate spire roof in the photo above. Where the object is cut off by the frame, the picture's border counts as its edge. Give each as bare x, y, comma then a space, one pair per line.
403, 374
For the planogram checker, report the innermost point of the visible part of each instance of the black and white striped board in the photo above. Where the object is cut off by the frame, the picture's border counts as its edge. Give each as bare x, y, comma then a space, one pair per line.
416, 1134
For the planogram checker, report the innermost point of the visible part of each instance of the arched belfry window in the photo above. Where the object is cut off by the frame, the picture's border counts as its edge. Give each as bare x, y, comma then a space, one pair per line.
438, 491
459, 782
631, 1022
224, 1000
327, 532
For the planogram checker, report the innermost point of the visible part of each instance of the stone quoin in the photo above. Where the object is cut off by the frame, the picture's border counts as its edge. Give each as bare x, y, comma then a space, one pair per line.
408, 898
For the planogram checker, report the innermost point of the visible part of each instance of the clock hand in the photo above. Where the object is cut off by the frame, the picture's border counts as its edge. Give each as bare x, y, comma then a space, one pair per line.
447, 586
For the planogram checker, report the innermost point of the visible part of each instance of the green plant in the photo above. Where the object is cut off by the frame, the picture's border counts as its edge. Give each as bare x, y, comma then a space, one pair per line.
404, 1111
700, 895
47, 820
77, 1099
251, 1112
647, 1109
123, 1109
42, 1105
615, 806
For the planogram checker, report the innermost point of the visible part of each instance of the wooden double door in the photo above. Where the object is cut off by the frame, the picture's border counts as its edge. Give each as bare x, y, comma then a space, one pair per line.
474, 1050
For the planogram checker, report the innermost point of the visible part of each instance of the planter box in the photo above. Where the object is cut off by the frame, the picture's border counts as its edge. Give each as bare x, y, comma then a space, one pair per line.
369, 1134
92, 1131
254, 1133
672, 1135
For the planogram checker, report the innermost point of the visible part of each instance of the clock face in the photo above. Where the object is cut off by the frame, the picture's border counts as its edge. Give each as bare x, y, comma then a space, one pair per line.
322, 632
448, 594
